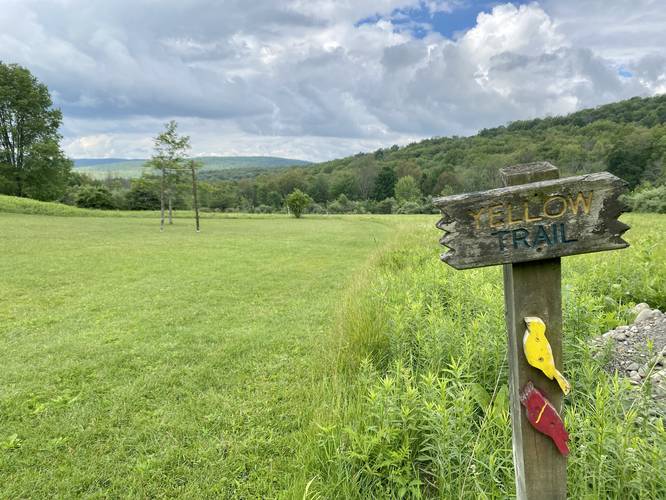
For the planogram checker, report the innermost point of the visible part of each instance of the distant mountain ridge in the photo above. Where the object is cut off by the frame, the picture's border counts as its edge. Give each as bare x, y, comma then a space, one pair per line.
94, 162
223, 167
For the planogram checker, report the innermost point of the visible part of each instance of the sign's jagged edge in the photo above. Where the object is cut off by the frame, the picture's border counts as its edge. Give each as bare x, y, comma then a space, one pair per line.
448, 225
612, 209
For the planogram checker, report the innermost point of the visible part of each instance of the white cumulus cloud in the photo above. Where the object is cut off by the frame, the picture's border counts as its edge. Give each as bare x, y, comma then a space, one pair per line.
308, 79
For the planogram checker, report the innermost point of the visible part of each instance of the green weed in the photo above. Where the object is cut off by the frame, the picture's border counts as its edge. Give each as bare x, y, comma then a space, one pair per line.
421, 406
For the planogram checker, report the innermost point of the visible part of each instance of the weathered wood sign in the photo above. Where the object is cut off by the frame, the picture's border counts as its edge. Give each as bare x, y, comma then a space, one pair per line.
528, 226
533, 221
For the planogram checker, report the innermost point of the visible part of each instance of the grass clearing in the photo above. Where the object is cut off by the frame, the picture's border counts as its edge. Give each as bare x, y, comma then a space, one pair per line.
144, 364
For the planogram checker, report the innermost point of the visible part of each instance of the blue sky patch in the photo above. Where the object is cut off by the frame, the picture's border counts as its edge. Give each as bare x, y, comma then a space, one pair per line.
419, 21
624, 72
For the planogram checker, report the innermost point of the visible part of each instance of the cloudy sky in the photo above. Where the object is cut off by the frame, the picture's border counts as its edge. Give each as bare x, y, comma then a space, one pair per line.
319, 79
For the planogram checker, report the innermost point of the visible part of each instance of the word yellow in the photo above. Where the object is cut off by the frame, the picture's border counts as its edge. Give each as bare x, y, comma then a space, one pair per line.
554, 207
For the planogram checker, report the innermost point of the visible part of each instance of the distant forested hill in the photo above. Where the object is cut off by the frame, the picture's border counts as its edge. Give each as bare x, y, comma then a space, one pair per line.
215, 167
627, 138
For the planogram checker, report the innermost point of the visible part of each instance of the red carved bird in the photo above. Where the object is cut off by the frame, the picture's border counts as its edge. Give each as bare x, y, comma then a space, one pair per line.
544, 417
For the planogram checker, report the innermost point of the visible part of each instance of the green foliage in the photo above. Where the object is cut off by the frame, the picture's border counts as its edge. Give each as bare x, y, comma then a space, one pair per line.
386, 206
342, 205
290, 181
630, 156
345, 183
410, 207
407, 190
144, 194
420, 381
648, 199
94, 197
385, 183
298, 201
170, 150
320, 189
220, 196
31, 162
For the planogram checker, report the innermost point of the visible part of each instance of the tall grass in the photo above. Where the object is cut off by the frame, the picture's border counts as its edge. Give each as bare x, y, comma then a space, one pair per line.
419, 387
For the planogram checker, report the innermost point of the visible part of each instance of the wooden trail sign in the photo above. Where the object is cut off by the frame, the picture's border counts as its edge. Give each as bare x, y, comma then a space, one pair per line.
540, 220
527, 226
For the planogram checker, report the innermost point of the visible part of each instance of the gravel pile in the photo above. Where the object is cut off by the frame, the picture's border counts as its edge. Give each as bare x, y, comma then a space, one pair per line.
638, 352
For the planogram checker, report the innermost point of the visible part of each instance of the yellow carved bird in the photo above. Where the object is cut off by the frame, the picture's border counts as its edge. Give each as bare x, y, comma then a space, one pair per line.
539, 353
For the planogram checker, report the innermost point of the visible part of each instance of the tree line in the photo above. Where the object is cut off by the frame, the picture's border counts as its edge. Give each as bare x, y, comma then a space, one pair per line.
627, 138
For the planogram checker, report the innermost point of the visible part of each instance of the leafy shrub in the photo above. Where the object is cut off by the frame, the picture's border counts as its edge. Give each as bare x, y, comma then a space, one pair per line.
410, 207
316, 208
297, 201
386, 206
264, 209
342, 205
407, 190
143, 195
648, 199
94, 197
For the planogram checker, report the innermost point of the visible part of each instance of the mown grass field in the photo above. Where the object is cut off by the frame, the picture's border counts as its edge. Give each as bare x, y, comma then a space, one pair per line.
327, 357
144, 364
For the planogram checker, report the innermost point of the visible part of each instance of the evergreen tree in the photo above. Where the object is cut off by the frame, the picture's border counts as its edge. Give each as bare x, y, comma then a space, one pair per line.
385, 183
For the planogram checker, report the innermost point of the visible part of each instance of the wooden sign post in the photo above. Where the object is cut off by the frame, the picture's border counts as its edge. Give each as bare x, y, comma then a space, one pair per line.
527, 226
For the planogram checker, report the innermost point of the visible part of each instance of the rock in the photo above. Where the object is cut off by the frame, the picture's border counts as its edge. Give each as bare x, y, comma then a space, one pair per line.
638, 352
647, 314
638, 308
648, 370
